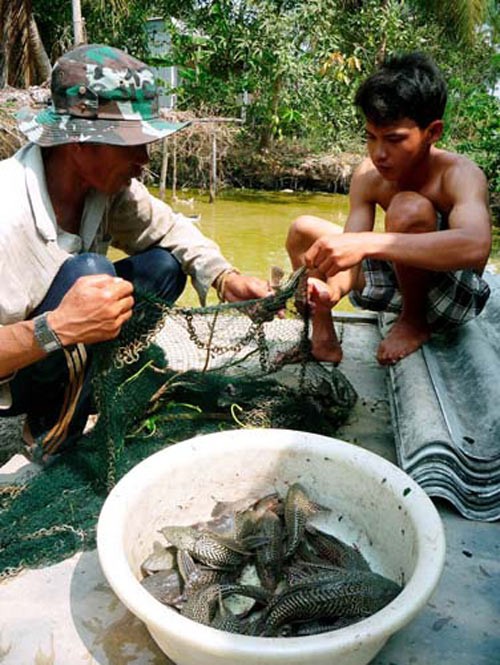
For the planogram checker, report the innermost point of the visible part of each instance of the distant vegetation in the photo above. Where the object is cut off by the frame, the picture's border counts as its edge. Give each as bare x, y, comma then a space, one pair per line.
299, 61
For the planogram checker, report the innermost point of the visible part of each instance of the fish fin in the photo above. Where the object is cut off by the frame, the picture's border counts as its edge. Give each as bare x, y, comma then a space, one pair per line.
186, 564
252, 542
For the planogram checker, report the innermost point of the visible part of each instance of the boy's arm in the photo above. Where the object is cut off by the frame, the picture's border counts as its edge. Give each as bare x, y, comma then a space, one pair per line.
361, 218
467, 241
465, 244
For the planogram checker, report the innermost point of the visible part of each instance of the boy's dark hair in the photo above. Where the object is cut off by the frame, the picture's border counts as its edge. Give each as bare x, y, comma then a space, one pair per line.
405, 86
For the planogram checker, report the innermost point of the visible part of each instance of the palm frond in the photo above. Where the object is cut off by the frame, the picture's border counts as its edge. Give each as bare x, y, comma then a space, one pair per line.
460, 18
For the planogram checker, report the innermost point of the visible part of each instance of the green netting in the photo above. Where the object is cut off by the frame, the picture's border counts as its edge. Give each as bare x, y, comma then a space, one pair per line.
173, 373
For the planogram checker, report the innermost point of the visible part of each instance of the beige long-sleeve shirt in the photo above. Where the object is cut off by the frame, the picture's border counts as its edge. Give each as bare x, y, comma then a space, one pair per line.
32, 248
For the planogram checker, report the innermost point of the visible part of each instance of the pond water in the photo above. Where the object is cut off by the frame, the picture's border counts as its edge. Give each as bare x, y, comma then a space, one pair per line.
251, 226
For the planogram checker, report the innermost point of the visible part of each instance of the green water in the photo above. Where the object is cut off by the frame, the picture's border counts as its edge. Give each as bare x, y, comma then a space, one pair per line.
250, 227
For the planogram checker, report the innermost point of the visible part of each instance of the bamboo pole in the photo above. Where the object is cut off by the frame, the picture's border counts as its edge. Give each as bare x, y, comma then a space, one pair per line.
77, 23
213, 169
174, 170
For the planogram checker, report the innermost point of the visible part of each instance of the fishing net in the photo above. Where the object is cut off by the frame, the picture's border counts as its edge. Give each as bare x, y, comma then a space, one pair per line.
174, 373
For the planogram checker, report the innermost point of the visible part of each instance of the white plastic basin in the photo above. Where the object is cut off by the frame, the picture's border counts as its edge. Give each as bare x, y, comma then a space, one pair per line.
382, 510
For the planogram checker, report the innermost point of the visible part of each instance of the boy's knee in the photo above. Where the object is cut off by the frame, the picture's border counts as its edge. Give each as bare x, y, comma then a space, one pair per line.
306, 229
300, 227
410, 212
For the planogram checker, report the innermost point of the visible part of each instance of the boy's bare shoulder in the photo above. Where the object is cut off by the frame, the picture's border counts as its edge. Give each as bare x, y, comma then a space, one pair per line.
367, 179
452, 164
367, 174
366, 169
459, 180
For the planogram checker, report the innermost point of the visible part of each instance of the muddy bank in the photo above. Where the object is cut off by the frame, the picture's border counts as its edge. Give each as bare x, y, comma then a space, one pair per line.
11, 101
276, 171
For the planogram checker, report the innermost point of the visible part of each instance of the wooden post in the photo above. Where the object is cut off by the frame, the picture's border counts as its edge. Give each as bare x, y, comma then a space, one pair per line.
174, 170
213, 169
164, 168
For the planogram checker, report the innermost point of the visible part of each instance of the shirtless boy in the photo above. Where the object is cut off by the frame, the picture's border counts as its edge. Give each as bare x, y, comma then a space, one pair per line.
427, 265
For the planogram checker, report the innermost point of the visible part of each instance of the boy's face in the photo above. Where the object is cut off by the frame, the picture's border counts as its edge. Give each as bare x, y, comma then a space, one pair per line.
397, 150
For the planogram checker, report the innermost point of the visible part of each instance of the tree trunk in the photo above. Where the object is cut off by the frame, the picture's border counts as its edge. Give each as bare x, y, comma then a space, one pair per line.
23, 59
267, 130
41, 63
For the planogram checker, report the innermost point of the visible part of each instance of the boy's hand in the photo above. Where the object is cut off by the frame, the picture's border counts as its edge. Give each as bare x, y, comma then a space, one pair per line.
332, 254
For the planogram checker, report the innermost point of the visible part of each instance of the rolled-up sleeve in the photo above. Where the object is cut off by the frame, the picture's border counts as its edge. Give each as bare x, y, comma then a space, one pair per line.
137, 221
5, 394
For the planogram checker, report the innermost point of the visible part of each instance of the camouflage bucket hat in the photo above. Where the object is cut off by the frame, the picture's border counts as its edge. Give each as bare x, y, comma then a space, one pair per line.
99, 95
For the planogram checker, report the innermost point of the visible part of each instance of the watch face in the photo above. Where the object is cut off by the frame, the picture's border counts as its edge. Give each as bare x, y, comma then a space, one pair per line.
44, 335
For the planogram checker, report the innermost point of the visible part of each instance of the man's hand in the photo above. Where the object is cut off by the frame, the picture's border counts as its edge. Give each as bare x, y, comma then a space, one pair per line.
93, 310
240, 287
333, 253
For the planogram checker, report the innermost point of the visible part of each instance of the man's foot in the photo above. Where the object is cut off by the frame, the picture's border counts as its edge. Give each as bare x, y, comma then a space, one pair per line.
403, 339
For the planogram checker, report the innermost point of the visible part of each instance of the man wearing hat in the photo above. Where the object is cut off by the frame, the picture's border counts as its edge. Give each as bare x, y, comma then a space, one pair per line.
66, 196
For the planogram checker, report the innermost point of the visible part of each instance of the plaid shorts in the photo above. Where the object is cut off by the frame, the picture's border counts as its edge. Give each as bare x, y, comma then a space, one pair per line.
454, 297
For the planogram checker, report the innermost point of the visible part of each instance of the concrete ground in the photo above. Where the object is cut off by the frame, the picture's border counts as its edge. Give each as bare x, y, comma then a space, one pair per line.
67, 615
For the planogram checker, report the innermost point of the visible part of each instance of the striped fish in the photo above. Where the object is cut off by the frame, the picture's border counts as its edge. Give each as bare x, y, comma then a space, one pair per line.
335, 551
298, 509
359, 596
202, 605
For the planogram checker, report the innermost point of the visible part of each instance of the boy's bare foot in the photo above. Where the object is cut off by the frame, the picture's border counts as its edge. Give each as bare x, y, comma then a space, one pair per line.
404, 338
327, 350
325, 345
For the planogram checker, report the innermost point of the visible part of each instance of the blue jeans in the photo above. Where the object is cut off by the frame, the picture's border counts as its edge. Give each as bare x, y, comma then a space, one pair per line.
38, 390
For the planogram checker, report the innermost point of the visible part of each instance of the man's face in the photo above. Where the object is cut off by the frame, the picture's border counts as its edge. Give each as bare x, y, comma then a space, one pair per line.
398, 149
109, 168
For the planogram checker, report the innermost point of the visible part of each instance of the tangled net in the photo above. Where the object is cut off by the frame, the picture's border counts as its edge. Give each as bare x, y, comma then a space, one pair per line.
174, 373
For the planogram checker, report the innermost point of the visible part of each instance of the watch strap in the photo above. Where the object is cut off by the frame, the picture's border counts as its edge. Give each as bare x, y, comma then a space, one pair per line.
45, 337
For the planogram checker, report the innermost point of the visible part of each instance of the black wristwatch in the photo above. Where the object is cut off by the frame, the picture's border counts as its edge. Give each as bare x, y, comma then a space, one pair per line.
45, 337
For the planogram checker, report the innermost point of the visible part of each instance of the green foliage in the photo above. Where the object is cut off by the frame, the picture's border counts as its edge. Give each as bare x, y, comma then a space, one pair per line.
115, 22
301, 61
459, 18
472, 118
475, 115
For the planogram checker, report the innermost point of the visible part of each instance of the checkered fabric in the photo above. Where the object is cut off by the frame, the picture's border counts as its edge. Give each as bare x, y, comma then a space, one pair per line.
453, 299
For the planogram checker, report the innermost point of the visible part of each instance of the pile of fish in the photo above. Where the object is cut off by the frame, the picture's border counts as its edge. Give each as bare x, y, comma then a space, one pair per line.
260, 568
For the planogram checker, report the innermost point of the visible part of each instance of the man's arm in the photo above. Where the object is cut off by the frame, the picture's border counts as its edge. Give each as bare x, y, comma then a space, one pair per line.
465, 244
93, 310
18, 347
138, 220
